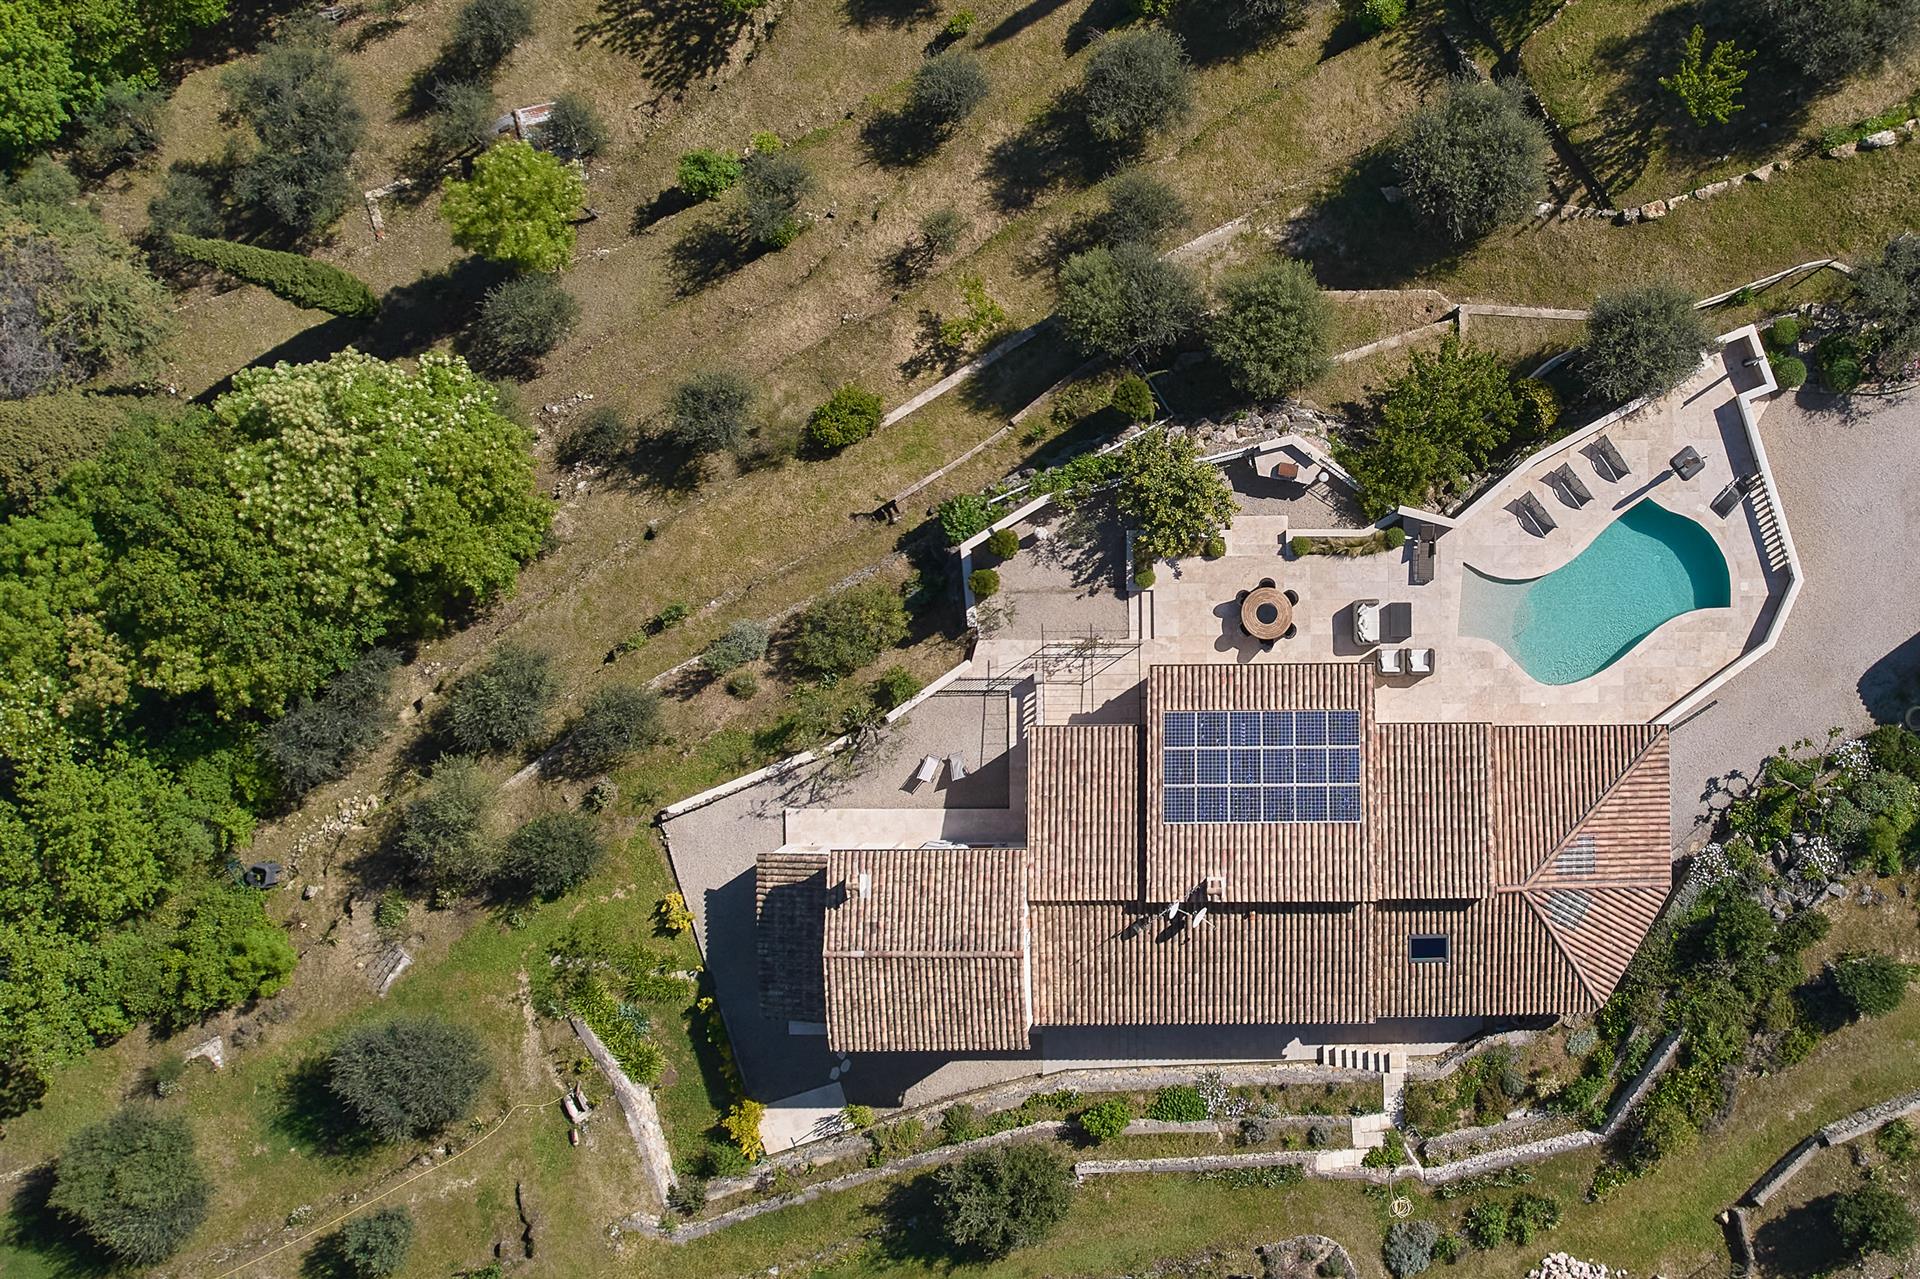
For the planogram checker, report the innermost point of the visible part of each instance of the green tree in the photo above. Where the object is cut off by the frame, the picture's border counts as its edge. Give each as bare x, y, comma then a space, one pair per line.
132, 1183
1122, 301
1447, 417
1708, 83
1177, 502
519, 207
1870, 985
1141, 209
772, 184
995, 1201
711, 412
598, 438
299, 103
122, 126
1408, 1248
706, 174
1136, 84
504, 704
464, 113
1884, 307
293, 277
1272, 329
408, 1077
615, 722
1472, 160
224, 952
317, 740
44, 437
484, 33
77, 303
372, 1246
850, 415
1873, 1218
1133, 398
522, 320
574, 130
1642, 341
444, 834
742, 642
553, 854
946, 90
848, 629
1826, 41
1373, 16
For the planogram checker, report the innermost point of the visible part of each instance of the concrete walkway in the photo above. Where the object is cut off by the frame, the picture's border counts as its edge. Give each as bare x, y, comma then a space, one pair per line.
1849, 657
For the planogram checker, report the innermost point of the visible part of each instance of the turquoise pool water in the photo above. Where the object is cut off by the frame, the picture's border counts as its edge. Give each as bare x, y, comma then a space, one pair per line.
1646, 568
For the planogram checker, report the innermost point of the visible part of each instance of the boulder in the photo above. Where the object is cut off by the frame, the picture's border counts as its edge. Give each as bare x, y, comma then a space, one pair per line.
1653, 210
1876, 141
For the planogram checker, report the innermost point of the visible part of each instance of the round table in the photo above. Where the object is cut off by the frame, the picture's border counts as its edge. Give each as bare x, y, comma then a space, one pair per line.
1266, 613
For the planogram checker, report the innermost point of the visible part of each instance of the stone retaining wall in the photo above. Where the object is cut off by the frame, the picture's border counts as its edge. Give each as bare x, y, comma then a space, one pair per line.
1193, 1163
1525, 1153
1661, 1057
1535, 1125
1848, 1128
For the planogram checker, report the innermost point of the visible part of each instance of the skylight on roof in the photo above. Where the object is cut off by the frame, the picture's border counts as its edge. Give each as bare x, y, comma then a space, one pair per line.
1260, 766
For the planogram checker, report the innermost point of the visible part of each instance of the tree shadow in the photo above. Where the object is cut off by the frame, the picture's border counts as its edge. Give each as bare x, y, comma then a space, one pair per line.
1019, 20
307, 1113
889, 13
663, 206
1053, 148
898, 139
1890, 688
1800, 1242
1094, 21
663, 463
1216, 31
32, 1226
1639, 118
675, 42
708, 252
907, 1221
415, 316
931, 350
1355, 238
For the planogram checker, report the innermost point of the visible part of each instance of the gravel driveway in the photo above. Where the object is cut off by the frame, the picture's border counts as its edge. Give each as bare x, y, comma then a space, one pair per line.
1850, 657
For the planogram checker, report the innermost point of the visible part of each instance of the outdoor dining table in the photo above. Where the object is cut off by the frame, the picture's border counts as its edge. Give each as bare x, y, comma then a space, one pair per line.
1266, 613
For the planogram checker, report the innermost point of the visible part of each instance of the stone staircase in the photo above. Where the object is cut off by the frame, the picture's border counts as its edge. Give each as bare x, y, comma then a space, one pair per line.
1369, 1131
1382, 1060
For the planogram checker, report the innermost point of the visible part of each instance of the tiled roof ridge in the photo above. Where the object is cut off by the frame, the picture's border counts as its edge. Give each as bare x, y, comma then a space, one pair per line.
1628, 775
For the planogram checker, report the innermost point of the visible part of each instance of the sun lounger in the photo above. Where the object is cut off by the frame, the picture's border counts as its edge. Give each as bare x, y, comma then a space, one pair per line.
1728, 498
956, 767
1389, 661
1423, 556
1534, 515
929, 769
1608, 463
1366, 621
1396, 623
1420, 661
1572, 491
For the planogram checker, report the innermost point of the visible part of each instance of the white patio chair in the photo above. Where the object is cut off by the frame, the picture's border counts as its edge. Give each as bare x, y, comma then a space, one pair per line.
956, 767
1389, 661
1420, 661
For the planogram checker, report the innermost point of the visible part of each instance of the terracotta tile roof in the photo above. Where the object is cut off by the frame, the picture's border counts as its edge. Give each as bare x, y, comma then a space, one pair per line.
789, 906
926, 948
1083, 812
1625, 839
1258, 862
1239, 967
1501, 962
1546, 778
1429, 800
1598, 929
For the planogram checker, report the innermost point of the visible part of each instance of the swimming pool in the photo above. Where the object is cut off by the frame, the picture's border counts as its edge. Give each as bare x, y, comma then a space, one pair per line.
1646, 568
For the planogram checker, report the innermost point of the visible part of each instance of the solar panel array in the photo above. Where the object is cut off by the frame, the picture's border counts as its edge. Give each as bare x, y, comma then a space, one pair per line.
1260, 766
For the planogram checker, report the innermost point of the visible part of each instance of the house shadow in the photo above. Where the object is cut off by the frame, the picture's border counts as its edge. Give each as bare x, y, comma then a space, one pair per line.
1890, 688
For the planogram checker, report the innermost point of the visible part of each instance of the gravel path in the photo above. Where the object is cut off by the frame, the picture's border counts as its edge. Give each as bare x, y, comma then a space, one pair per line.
1850, 656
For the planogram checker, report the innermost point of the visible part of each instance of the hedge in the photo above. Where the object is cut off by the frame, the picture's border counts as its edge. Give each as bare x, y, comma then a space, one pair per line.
318, 286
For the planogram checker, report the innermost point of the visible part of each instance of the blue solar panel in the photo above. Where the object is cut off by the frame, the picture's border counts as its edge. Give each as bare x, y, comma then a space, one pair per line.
1261, 766
1177, 728
1177, 767
1244, 728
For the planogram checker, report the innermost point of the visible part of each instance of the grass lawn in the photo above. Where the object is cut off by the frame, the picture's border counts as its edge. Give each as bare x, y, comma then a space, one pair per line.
1598, 70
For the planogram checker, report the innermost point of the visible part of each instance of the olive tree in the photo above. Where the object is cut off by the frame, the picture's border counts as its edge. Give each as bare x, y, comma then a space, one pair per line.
553, 854
443, 834
1885, 305
615, 722
1471, 160
772, 184
133, 1185
408, 1077
1641, 341
994, 1201
317, 740
520, 321
1136, 83
743, 642
1828, 40
484, 33
710, 412
1141, 209
574, 129
1272, 329
945, 91
504, 703
1125, 300
372, 1246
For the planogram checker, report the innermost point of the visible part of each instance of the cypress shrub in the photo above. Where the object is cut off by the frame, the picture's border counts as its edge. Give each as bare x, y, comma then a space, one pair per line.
318, 286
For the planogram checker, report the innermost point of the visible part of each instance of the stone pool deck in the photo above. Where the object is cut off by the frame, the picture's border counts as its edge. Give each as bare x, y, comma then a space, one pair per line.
1190, 615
